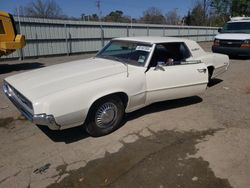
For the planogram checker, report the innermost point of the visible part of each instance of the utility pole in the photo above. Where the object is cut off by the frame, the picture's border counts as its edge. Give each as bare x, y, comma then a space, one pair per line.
204, 9
98, 5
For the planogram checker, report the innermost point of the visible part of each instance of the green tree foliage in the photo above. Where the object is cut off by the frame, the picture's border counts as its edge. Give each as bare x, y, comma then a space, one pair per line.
116, 16
221, 10
195, 16
240, 7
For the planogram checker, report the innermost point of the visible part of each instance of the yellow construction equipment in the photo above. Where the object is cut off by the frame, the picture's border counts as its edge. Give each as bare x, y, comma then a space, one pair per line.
10, 41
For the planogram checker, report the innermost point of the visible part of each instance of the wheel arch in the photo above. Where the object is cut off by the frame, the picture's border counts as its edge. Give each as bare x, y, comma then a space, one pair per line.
122, 95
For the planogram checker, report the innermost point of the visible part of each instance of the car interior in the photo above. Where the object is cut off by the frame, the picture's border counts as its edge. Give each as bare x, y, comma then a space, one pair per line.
178, 52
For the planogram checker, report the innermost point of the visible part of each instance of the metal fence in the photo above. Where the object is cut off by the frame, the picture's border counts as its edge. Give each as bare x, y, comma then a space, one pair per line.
46, 37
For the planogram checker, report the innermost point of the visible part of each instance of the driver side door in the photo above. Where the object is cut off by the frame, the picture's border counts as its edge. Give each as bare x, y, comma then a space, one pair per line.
178, 79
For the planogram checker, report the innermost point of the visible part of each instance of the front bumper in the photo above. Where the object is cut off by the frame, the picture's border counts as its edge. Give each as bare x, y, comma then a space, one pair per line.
232, 51
39, 119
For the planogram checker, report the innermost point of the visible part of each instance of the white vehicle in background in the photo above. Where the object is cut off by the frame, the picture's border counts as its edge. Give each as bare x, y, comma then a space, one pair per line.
234, 38
126, 75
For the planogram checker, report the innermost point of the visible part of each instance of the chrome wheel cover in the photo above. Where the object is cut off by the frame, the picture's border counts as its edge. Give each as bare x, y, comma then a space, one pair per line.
106, 114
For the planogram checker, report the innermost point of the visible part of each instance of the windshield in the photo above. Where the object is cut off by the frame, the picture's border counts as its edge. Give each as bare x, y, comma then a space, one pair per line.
236, 27
126, 52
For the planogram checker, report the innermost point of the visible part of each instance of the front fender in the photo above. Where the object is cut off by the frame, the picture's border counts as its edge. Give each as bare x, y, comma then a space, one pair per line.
70, 106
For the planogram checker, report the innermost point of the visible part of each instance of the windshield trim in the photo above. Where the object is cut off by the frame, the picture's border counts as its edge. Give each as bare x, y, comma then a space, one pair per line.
98, 55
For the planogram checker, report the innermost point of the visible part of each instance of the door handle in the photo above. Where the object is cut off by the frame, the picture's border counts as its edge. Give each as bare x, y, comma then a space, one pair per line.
202, 70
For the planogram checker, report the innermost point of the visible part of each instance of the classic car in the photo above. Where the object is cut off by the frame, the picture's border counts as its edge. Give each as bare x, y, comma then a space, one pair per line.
126, 75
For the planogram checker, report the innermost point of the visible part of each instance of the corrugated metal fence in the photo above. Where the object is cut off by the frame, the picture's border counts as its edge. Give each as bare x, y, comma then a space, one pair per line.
53, 37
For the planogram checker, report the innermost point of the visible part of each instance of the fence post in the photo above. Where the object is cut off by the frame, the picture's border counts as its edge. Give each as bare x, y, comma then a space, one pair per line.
127, 31
197, 37
37, 47
66, 39
102, 36
206, 34
147, 31
163, 31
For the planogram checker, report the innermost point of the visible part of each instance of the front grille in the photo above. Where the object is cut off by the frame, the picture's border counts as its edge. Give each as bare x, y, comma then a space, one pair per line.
19, 99
231, 43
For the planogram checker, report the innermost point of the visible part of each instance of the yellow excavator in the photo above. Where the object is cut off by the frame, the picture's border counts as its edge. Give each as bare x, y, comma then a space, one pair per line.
10, 41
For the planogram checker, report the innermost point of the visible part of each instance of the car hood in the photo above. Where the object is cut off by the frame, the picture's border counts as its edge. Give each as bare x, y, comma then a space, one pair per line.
42, 82
233, 36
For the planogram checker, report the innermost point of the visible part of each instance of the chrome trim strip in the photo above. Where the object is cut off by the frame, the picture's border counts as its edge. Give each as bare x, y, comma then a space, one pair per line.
202, 83
16, 102
10, 92
39, 119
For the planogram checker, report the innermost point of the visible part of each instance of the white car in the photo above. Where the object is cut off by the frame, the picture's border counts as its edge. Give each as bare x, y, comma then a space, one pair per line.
234, 38
126, 75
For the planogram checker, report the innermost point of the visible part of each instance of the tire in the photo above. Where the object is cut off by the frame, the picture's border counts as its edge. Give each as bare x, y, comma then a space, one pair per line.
105, 116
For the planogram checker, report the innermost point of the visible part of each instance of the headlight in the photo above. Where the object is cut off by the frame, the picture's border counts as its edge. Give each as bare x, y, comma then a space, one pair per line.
246, 43
216, 42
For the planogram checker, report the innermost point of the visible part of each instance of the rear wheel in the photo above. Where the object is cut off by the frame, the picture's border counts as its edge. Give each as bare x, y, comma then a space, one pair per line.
105, 116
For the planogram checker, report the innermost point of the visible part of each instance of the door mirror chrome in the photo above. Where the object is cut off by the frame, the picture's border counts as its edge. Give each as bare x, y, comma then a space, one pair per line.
159, 66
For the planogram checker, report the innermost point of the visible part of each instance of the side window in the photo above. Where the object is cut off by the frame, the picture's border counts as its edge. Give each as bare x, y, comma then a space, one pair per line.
170, 54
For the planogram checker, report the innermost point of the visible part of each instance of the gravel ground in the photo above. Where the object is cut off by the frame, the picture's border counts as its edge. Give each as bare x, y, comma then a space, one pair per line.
201, 141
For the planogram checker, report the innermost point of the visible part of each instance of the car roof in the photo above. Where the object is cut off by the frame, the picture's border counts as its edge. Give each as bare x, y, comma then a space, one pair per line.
152, 39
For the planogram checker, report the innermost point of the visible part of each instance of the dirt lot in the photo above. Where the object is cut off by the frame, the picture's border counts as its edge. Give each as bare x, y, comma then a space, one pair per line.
201, 141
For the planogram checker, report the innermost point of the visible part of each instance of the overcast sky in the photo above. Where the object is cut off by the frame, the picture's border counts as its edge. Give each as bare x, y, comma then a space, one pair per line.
132, 8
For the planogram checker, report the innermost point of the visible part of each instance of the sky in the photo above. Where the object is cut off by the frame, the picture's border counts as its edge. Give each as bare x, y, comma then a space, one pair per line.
132, 8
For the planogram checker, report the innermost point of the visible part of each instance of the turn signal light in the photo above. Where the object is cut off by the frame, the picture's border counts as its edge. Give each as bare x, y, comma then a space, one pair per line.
245, 45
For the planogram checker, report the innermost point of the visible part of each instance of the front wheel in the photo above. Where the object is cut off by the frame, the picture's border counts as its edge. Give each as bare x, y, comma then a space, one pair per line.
105, 116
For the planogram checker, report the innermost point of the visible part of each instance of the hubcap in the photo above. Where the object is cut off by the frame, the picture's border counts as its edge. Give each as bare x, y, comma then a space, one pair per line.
106, 115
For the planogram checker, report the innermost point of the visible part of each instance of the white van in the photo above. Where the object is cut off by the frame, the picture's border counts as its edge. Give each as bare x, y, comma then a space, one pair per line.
234, 38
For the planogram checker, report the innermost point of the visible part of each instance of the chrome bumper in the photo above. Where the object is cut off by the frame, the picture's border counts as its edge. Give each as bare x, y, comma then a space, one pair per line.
39, 119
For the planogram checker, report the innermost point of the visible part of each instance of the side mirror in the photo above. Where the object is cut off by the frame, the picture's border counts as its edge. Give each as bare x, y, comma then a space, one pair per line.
159, 66
219, 30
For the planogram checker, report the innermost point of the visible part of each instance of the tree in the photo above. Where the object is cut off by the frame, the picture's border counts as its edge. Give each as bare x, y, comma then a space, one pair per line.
195, 16
240, 7
153, 15
41, 9
172, 17
116, 16
221, 7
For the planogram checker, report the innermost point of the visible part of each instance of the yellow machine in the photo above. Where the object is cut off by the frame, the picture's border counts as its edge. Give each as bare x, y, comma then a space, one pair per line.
10, 41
